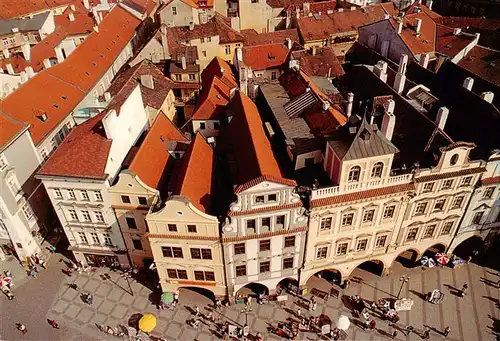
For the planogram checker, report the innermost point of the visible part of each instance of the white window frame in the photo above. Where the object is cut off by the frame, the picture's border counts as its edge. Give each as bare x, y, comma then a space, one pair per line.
425, 236
428, 187
386, 210
320, 250
416, 234
343, 222
44, 154
486, 191
325, 220
3, 162
445, 183
460, 198
174, 10
108, 241
481, 216
424, 204
58, 193
451, 223
83, 238
358, 243
71, 194
439, 201
377, 239
85, 195
28, 212
366, 215
354, 170
73, 215
86, 216
99, 216
466, 181
13, 184
377, 170
338, 246
95, 238
98, 196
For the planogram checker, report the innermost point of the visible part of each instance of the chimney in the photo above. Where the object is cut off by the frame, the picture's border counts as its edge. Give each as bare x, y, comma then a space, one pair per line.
418, 25
29, 71
384, 49
306, 7
239, 54
388, 120
341, 10
235, 23
59, 54
441, 117
386, 16
10, 69
6, 53
468, 83
164, 42
424, 59
488, 96
46, 63
147, 81
313, 50
350, 101
400, 79
353, 8
294, 64
400, 27
429, 4
457, 31
73, 7
191, 26
183, 62
326, 105
289, 43
15, 30
24, 77
71, 16
26, 48
96, 29
86, 4
381, 70
96, 16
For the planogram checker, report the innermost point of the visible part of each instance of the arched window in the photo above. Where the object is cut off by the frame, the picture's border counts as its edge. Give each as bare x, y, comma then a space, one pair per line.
377, 170
354, 173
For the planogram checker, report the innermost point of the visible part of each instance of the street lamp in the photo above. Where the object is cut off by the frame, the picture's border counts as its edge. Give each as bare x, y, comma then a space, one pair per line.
246, 310
404, 279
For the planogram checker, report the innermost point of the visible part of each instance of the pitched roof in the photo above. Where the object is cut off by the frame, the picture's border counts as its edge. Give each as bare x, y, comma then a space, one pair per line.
196, 174
483, 62
212, 100
70, 81
221, 69
262, 57
417, 43
127, 81
151, 159
252, 37
23, 25
19, 8
248, 144
325, 63
451, 44
84, 152
10, 128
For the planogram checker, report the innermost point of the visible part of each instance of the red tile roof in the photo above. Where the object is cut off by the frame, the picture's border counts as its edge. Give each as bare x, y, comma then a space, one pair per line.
451, 44
262, 57
325, 63
10, 128
343, 198
490, 181
265, 235
18, 8
266, 209
247, 143
252, 37
196, 173
212, 101
71, 80
434, 177
151, 159
425, 42
83, 22
221, 69
480, 23
263, 178
416, 7
483, 62
83, 154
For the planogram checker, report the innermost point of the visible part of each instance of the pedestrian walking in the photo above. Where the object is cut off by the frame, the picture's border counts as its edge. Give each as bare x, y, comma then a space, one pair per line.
54, 324
394, 334
372, 324
463, 292
347, 282
89, 299
211, 317
446, 331
73, 286
8, 274
218, 304
249, 301
427, 334
197, 311
299, 312
22, 328
409, 330
315, 305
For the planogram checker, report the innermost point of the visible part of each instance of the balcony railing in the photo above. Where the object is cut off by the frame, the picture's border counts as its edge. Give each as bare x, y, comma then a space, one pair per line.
361, 186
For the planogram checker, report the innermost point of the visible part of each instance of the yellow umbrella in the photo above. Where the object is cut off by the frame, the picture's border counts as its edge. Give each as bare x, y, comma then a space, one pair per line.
147, 323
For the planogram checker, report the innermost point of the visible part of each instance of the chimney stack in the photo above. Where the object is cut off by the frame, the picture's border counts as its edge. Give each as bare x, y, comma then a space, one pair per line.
46, 63
388, 120
107, 96
384, 49
418, 25
326, 105
96, 29
350, 101
306, 7
59, 54
488, 96
10, 69
24, 77
183, 62
313, 50
6, 53
468, 83
457, 31
191, 26
73, 7
86, 4
429, 4
381, 70
239, 54
164, 42
30, 72
96, 16
147, 81
289, 43
293, 64
400, 79
341, 10
441, 117
71, 16
424, 60
386, 16
26, 48
400, 27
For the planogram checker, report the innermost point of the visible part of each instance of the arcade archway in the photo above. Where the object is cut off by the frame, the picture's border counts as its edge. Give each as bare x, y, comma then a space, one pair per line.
252, 289
407, 259
368, 269
431, 251
196, 295
469, 247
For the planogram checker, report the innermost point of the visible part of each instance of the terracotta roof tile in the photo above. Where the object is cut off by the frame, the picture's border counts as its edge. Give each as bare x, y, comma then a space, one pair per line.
264, 235
196, 173
83, 154
221, 69
262, 57
490, 181
426, 41
153, 156
440, 176
10, 128
451, 44
344, 198
277, 37
265, 209
180, 236
325, 63
483, 62
418, 7
212, 100
260, 179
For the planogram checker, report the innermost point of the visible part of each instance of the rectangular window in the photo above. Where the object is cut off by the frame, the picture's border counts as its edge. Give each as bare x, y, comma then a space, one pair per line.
280, 222
288, 263
3, 163
58, 193
412, 234
143, 201
428, 187
272, 198
265, 245
131, 223
380, 241
83, 238
172, 252
239, 249
204, 53
85, 195
172, 228
107, 240
368, 216
466, 181
447, 184
86, 216
347, 219
265, 225
421, 208
361, 245
321, 252
259, 199
439, 205
53, 144
429, 231
447, 228
125, 199
44, 154
216, 125
228, 49
137, 244
457, 202
488, 193
192, 77
342, 249
178, 77
73, 216
326, 224
99, 217
477, 217
71, 194
209, 39
202, 125
241, 270
28, 212
204, 276
273, 75
95, 238
191, 228
13, 185
389, 212
60, 134
174, 10
202, 40
197, 253
265, 267
177, 274
251, 226
290, 241
98, 195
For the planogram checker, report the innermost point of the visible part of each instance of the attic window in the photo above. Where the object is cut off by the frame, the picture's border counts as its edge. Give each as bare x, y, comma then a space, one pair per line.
94, 64
101, 56
352, 130
56, 105
271, 57
162, 139
365, 135
107, 48
64, 97
43, 117
87, 73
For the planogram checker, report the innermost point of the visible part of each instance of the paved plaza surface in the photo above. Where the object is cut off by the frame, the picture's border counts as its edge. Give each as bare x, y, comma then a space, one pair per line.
50, 297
